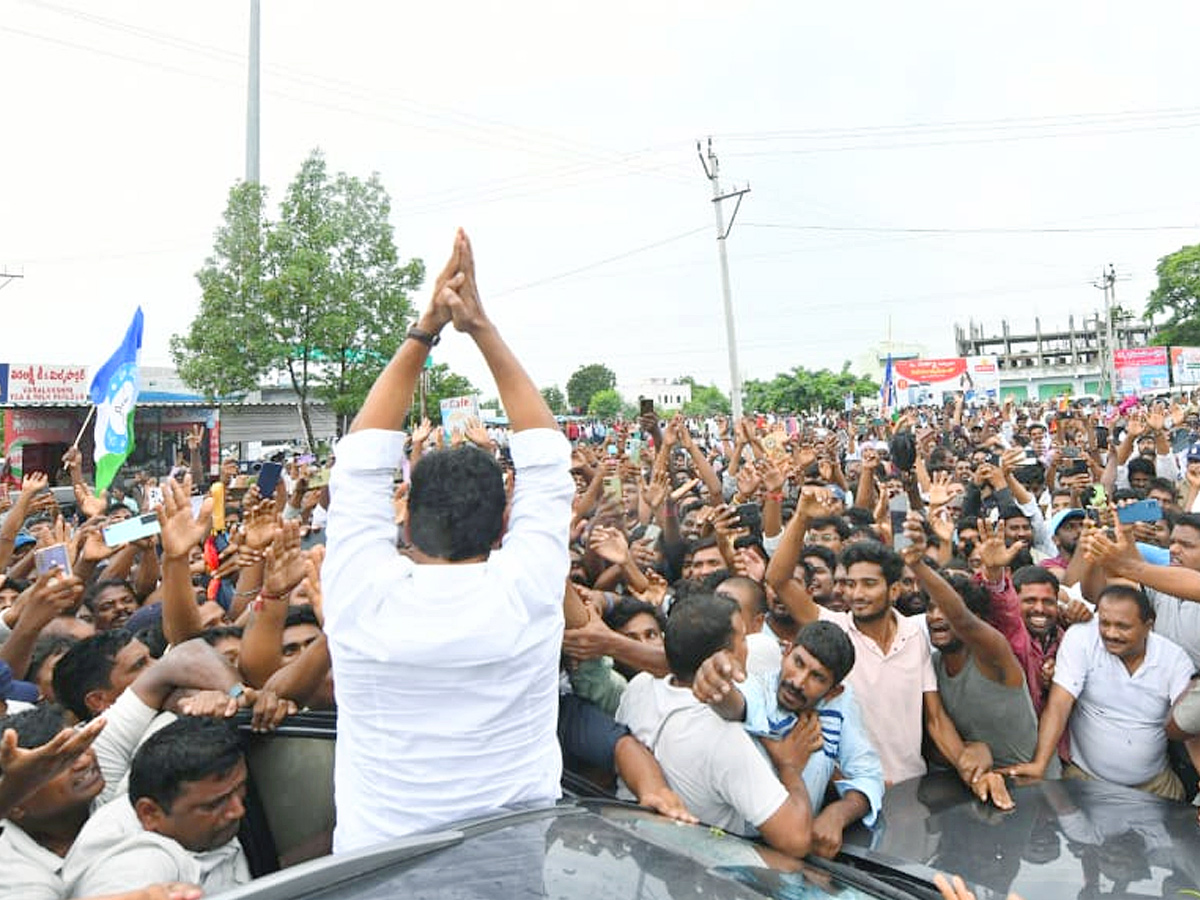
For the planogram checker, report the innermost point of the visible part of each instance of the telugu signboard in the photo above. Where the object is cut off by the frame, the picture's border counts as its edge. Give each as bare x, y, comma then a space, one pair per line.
42, 383
1140, 369
929, 381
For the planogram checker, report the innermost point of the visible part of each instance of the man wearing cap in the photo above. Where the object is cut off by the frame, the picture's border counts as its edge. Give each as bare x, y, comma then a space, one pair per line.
1065, 527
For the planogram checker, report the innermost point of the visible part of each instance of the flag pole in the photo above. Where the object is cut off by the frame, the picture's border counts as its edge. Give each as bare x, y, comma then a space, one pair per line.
91, 412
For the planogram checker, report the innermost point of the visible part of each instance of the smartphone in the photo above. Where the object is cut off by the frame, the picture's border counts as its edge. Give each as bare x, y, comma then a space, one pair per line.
612, 449
612, 488
132, 529
898, 513
53, 557
1101, 437
651, 533
1077, 467
647, 406
319, 478
750, 516
154, 497
1142, 511
1029, 458
268, 478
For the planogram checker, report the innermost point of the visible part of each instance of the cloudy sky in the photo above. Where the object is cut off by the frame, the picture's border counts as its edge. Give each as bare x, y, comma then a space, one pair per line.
912, 165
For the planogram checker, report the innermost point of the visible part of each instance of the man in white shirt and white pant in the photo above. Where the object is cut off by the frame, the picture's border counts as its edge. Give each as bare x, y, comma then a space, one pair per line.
446, 662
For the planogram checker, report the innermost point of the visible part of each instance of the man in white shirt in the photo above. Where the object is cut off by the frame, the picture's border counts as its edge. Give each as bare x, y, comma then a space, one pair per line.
179, 822
713, 764
446, 662
1114, 684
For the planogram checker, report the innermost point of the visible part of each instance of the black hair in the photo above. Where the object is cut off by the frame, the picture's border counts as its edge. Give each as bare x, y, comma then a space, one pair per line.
755, 589
19, 585
822, 553
1163, 484
863, 533
836, 522
44, 648
37, 726
303, 614
87, 667
220, 632
191, 748
857, 516
628, 607
1012, 511
96, 587
888, 560
830, 645
1129, 592
154, 638
1127, 494
701, 544
456, 503
1141, 465
972, 592
696, 629
1191, 520
1034, 575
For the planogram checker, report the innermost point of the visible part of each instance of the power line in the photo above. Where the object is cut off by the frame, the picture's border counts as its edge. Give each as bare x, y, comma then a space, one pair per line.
986, 230
600, 262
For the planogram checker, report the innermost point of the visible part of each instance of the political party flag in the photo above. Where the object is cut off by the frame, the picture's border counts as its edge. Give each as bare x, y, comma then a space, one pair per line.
114, 393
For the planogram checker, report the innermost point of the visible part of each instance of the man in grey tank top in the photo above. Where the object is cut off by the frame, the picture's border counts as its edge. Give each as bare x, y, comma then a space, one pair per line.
979, 677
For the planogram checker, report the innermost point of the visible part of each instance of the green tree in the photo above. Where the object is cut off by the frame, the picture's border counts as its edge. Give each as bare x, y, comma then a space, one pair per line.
586, 382
1177, 297
554, 399
707, 399
801, 389
606, 404
441, 384
319, 294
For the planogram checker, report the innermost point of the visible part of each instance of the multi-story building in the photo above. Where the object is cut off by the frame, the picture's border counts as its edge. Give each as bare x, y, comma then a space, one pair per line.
666, 393
1045, 364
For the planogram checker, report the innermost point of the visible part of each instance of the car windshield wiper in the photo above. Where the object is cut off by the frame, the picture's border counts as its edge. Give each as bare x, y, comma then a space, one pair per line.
876, 878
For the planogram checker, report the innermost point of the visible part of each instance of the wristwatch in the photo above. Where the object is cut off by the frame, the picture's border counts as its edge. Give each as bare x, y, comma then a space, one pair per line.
428, 338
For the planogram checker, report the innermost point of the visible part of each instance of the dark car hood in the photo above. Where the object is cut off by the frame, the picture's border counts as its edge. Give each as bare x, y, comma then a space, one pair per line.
1063, 839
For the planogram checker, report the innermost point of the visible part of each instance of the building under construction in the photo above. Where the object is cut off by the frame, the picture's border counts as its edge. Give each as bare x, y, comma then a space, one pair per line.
1041, 364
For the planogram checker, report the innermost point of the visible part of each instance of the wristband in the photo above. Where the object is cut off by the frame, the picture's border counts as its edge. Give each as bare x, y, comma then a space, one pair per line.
777, 496
428, 338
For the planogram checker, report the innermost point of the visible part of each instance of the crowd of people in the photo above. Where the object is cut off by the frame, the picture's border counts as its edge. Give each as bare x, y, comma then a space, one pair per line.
760, 624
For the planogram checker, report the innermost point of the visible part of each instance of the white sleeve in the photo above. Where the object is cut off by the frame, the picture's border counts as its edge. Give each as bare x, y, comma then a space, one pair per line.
1071, 662
745, 779
127, 720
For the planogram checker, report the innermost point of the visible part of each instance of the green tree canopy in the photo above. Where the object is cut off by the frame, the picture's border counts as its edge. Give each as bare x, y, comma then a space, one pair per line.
318, 293
554, 399
1177, 297
707, 399
586, 382
606, 404
801, 389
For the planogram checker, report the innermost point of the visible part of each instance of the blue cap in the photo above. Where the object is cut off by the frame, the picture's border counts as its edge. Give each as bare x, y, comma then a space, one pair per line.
12, 689
1063, 515
1193, 453
23, 539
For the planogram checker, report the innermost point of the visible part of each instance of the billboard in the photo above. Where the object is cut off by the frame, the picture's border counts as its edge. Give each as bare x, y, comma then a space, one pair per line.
930, 381
1185, 365
1140, 369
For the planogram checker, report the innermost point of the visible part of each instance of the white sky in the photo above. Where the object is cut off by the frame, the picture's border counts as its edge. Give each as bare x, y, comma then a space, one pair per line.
562, 135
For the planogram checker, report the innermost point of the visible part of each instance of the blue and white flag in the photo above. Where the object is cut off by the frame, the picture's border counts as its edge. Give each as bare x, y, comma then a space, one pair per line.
114, 393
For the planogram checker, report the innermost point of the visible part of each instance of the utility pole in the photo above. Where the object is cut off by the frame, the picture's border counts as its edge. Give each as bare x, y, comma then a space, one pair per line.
712, 170
1107, 282
252, 99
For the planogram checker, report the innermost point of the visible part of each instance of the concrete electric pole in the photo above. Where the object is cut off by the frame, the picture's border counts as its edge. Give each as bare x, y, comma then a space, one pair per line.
712, 170
252, 98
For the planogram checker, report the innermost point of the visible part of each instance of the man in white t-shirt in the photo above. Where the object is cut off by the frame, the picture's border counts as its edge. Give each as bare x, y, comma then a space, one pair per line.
713, 764
446, 661
1114, 683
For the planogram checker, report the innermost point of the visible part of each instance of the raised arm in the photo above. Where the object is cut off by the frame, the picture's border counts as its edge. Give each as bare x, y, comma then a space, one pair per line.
180, 533
782, 567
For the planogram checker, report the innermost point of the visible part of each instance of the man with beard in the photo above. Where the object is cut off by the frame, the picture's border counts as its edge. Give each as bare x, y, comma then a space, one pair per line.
913, 599
1065, 528
894, 676
981, 682
1037, 590
771, 704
